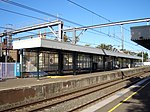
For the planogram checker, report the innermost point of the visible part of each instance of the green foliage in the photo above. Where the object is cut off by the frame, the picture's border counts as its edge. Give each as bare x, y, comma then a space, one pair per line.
65, 37
104, 46
87, 44
145, 56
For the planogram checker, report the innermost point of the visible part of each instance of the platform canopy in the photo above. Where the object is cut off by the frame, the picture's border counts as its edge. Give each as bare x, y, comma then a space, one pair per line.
141, 35
53, 44
32, 43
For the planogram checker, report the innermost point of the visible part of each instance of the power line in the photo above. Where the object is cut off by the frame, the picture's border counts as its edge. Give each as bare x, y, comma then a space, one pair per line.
38, 11
92, 12
95, 14
25, 15
88, 10
3, 27
45, 13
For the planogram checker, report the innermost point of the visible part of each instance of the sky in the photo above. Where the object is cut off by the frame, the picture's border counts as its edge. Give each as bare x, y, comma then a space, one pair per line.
113, 10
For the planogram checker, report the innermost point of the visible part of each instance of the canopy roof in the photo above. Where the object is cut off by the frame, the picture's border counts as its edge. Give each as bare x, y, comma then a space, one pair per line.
52, 44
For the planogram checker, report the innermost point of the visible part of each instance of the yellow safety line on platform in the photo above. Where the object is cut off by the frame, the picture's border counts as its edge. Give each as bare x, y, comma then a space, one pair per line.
127, 98
59, 76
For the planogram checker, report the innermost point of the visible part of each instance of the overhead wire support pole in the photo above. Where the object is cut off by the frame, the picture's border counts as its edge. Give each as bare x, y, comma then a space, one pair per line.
74, 36
122, 37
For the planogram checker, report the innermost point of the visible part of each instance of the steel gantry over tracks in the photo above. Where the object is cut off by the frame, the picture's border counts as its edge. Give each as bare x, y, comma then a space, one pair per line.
78, 28
35, 27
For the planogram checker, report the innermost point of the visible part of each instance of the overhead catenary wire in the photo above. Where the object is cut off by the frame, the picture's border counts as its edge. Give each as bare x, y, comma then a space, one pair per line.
45, 13
92, 12
25, 15
89, 10
38, 11
41, 12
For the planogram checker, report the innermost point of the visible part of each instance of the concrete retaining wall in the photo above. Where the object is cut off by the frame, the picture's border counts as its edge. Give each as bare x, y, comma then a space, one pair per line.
20, 96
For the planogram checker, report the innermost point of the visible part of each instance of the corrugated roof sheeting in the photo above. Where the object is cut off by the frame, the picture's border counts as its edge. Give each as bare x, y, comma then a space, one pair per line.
119, 54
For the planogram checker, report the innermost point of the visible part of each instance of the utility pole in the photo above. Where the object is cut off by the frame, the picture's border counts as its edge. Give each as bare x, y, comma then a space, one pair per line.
74, 36
122, 36
5, 43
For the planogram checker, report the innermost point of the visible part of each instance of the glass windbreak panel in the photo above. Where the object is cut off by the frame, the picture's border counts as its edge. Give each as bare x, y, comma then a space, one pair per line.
48, 61
83, 61
67, 61
100, 62
51, 61
30, 62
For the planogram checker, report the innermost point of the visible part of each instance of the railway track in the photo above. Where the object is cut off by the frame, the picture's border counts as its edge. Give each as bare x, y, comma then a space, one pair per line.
79, 99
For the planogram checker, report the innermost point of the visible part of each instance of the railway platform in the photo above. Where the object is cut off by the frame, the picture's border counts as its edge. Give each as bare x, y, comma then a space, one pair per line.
17, 92
132, 99
25, 82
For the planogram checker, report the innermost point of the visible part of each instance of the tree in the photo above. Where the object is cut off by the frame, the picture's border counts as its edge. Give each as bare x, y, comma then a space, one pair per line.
145, 55
104, 46
87, 44
125, 51
65, 37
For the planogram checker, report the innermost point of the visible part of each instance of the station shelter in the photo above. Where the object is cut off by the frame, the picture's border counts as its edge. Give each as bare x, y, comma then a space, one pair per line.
41, 56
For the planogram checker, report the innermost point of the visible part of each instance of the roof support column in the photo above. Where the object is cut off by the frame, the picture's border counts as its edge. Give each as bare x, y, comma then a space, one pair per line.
74, 63
121, 63
91, 63
60, 63
21, 62
60, 32
104, 60
38, 52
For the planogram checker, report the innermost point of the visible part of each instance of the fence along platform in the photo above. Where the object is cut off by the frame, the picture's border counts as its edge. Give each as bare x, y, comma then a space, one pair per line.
7, 70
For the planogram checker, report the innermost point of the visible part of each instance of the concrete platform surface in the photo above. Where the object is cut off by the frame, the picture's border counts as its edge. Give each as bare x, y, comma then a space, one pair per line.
25, 82
116, 103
